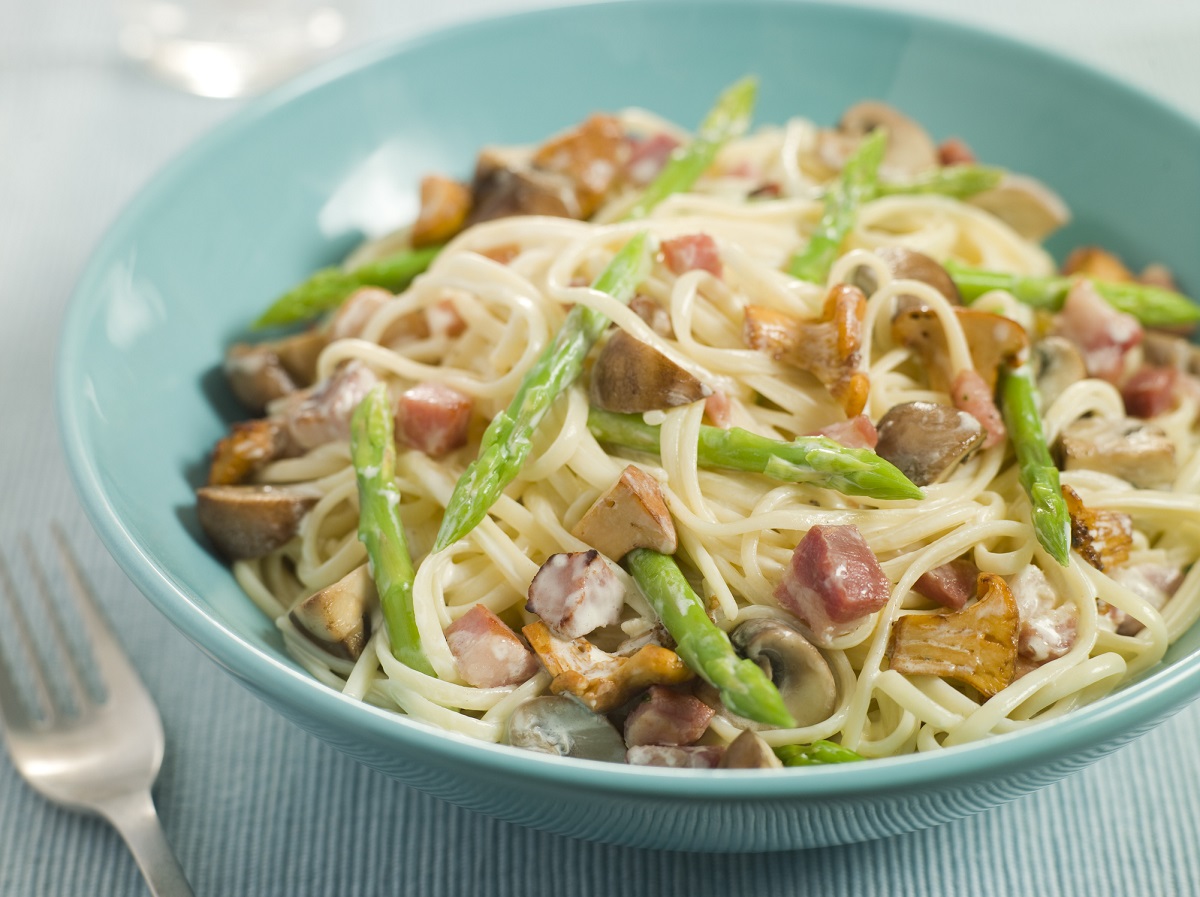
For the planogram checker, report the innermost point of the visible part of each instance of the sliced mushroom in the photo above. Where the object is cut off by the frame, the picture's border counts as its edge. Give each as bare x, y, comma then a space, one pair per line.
1056, 365
1026, 205
908, 264
256, 375
927, 440
910, 149
249, 447
631, 376
993, 340
830, 349
251, 521
976, 646
1092, 261
602, 681
445, 204
505, 185
749, 751
562, 726
338, 617
1133, 450
631, 514
1103, 538
797, 668
592, 155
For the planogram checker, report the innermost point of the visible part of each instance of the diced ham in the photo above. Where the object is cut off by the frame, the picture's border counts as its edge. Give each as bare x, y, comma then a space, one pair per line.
1103, 334
1151, 391
576, 593
1153, 583
857, 432
1048, 629
433, 418
951, 585
707, 756
719, 409
488, 653
692, 252
356, 311
955, 151
833, 582
443, 318
667, 716
647, 158
591, 155
971, 394
322, 414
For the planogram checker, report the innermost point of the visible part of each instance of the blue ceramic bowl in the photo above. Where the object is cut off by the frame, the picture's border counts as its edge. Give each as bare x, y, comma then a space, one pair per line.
294, 180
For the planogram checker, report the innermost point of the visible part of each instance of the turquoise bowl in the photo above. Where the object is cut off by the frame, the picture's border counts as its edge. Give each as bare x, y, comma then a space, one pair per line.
293, 181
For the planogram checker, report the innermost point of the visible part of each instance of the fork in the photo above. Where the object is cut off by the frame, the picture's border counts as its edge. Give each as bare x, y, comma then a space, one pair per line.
95, 756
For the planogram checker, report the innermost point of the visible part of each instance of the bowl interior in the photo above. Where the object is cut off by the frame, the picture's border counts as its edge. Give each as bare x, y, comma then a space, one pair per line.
297, 178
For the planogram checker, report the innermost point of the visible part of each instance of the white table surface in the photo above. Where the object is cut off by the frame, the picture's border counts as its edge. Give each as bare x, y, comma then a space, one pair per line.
80, 132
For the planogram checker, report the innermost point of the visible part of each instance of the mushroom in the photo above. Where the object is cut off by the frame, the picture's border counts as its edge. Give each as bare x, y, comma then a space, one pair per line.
1057, 363
976, 646
910, 149
445, 204
1092, 261
631, 514
562, 726
1133, 450
600, 680
1026, 205
256, 375
830, 349
1170, 351
926, 440
1102, 538
908, 264
993, 340
591, 155
749, 751
505, 185
251, 521
797, 668
631, 376
692, 756
249, 446
337, 618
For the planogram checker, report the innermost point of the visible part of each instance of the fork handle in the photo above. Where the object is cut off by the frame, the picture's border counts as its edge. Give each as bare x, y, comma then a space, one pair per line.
134, 816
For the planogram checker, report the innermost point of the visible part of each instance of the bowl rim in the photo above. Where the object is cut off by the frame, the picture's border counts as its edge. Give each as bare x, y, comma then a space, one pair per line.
1159, 692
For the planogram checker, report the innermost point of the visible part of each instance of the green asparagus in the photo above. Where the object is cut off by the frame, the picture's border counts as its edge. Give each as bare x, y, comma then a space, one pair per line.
959, 181
809, 459
819, 753
329, 287
508, 439
373, 450
744, 687
1153, 306
728, 118
858, 184
1038, 475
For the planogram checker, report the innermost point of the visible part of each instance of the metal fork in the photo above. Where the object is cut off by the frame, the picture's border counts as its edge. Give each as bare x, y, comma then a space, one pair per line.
97, 756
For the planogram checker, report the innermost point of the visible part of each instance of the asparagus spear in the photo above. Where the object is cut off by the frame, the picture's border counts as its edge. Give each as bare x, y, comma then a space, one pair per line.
329, 287
809, 459
1038, 475
1153, 306
728, 118
819, 753
744, 687
858, 183
959, 181
508, 439
373, 449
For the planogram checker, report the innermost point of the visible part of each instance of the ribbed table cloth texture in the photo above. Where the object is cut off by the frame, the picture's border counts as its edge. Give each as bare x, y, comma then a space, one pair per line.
256, 808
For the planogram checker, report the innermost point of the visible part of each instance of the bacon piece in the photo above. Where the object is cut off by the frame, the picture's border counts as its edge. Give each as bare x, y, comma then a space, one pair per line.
1048, 629
1151, 391
719, 409
647, 158
692, 252
667, 717
833, 581
707, 756
249, 447
955, 151
976, 646
322, 414
857, 432
502, 254
576, 593
356, 311
444, 208
631, 514
1102, 538
487, 652
1103, 334
971, 394
951, 585
433, 418
1153, 583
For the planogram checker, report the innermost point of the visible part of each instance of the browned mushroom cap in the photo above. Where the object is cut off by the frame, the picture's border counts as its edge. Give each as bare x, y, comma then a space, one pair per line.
256, 375
976, 646
1133, 450
910, 149
631, 514
926, 440
1026, 205
1057, 363
445, 204
1102, 538
505, 186
749, 751
592, 155
1092, 261
249, 446
337, 618
251, 521
830, 349
795, 666
1170, 351
908, 264
600, 680
631, 376
993, 340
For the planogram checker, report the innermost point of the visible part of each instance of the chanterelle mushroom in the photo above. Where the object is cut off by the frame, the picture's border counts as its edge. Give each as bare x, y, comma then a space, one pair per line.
337, 618
976, 646
631, 376
1134, 450
249, 446
251, 521
910, 149
797, 668
926, 440
830, 349
1102, 538
993, 339
551, 724
631, 514
1026, 205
